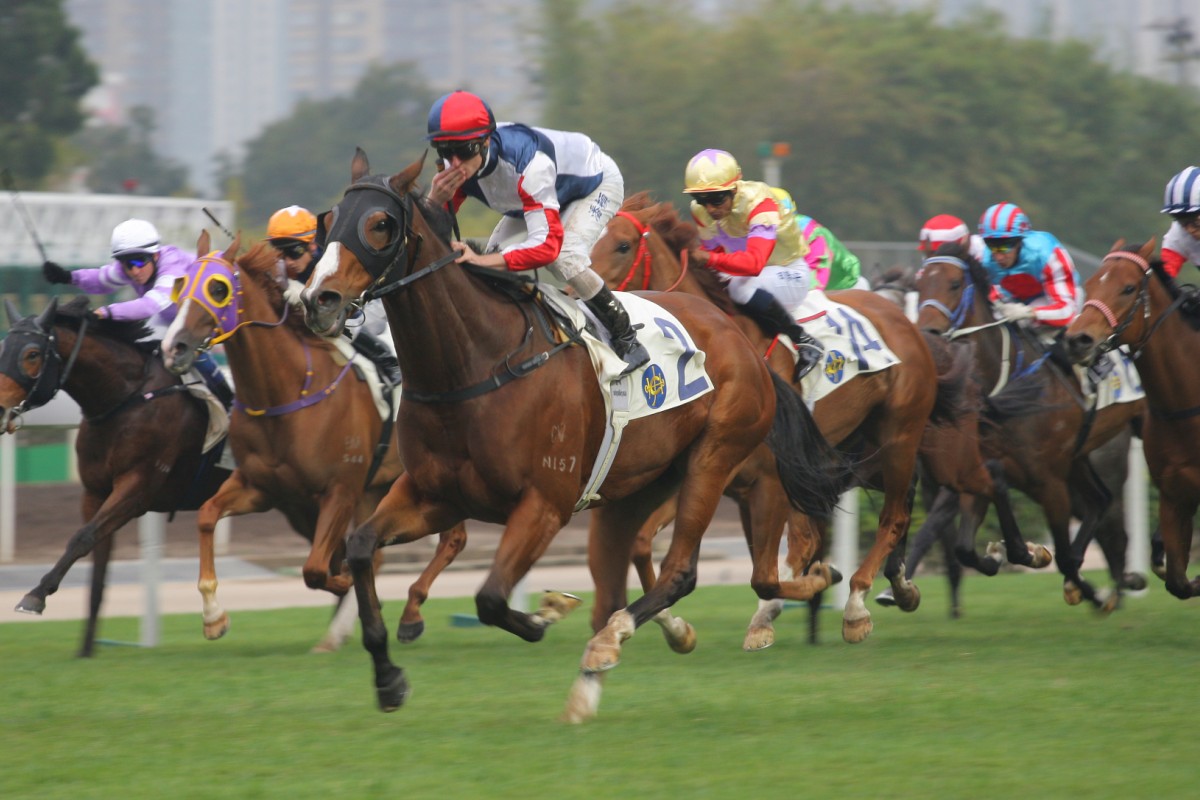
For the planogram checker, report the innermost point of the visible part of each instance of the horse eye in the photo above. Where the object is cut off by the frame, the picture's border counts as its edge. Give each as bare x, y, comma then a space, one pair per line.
1129, 290
385, 225
956, 285
31, 361
624, 247
218, 290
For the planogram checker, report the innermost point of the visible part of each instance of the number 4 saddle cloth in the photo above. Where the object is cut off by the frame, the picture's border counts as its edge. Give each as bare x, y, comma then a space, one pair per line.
852, 345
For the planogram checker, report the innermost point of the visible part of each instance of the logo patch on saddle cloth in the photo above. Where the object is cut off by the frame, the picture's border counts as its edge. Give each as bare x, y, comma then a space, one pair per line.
1115, 379
852, 345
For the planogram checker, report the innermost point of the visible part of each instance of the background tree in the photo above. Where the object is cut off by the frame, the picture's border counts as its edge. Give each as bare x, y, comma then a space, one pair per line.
120, 159
45, 75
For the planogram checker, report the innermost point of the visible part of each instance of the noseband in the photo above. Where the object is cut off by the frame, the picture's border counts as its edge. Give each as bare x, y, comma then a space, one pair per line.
227, 315
959, 313
1143, 299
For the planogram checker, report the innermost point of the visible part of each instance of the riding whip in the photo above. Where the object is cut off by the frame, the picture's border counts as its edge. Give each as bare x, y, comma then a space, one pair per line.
6, 176
217, 222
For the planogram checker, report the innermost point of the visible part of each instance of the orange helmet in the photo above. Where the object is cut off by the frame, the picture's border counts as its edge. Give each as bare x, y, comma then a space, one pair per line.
293, 222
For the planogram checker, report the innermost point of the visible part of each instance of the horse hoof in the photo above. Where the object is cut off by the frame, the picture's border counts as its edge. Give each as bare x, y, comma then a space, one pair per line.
1072, 594
910, 599
1160, 570
886, 598
1133, 582
758, 639
393, 693
1107, 602
994, 552
835, 577
556, 605
600, 658
31, 604
988, 565
1039, 556
683, 644
215, 630
409, 632
855, 631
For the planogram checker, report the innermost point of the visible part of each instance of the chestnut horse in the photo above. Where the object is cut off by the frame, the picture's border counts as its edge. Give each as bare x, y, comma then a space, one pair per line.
305, 432
1037, 422
881, 413
503, 421
139, 444
1132, 301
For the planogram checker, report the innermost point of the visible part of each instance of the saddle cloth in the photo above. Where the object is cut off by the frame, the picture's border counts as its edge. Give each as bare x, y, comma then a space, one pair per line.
218, 417
852, 345
1120, 383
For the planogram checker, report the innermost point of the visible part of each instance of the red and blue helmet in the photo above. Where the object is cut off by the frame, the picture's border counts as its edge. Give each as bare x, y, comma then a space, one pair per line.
1004, 221
460, 116
1183, 193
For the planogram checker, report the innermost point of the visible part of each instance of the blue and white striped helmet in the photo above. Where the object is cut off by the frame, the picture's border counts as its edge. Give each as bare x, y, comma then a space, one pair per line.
1004, 221
1183, 193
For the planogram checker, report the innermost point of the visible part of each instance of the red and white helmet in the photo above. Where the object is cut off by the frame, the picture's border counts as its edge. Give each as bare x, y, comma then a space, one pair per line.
941, 229
460, 116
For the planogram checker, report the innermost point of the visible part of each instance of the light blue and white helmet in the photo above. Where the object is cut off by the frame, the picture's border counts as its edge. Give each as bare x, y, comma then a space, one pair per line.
1183, 193
1004, 221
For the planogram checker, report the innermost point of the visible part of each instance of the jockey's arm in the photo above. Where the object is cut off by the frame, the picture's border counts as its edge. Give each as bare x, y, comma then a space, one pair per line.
1059, 284
1173, 261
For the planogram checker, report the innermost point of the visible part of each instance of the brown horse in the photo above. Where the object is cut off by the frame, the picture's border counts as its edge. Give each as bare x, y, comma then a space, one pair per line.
503, 421
881, 414
305, 432
139, 444
1037, 422
1132, 301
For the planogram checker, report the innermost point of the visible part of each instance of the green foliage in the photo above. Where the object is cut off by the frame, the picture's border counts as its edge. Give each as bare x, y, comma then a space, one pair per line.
1023, 697
891, 117
305, 159
121, 159
45, 75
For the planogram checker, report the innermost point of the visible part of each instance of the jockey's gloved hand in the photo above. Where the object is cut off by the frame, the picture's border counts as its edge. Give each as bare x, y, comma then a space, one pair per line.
1013, 312
53, 273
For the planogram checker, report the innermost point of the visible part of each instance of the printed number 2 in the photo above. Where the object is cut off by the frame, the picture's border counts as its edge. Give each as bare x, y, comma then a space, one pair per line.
859, 338
686, 390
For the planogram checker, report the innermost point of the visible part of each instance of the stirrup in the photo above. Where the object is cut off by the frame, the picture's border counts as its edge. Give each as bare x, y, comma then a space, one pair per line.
634, 357
808, 355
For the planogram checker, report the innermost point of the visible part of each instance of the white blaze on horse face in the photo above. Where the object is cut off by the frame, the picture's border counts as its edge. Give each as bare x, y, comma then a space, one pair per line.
173, 330
326, 267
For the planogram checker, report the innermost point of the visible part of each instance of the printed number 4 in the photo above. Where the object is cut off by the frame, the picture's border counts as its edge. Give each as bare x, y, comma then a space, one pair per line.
860, 340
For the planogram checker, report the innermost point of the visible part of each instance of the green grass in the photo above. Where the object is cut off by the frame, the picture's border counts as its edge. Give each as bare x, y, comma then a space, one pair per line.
1023, 697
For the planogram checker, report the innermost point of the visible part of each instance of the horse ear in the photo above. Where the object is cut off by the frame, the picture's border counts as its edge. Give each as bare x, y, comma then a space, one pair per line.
14, 314
1117, 245
359, 166
231, 252
204, 243
402, 181
1147, 249
47, 317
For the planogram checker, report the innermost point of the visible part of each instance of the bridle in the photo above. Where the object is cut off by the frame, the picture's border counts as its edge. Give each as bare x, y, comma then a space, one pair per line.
1111, 342
958, 314
641, 258
41, 388
202, 277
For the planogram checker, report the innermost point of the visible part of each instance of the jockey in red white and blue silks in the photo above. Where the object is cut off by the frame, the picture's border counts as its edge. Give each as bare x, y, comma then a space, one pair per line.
1043, 276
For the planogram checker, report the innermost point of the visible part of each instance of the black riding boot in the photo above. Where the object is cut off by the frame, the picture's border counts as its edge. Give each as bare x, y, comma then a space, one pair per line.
774, 319
214, 379
611, 313
379, 355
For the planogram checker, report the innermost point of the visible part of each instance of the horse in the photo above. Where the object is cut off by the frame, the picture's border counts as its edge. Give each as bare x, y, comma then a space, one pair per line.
1133, 301
503, 421
305, 432
140, 441
1037, 424
884, 412
941, 502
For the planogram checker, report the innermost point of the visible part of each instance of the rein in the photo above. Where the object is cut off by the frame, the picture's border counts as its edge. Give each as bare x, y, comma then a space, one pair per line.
306, 399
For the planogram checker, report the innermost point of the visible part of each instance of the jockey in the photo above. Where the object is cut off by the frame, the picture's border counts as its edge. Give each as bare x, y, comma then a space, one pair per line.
142, 262
830, 263
293, 232
946, 228
1182, 201
750, 236
1032, 275
556, 189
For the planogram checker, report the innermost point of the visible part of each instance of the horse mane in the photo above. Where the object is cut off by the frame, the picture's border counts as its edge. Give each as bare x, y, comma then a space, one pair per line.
680, 235
260, 264
898, 277
72, 314
1189, 308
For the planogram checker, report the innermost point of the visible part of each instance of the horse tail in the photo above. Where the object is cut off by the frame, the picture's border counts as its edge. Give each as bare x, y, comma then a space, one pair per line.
954, 364
813, 473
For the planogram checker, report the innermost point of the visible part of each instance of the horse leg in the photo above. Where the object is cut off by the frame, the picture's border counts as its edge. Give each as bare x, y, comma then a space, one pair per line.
101, 555
400, 517
233, 498
765, 512
336, 511
1175, 522
1091, 503
1056, 504
898, 462
937, 522
1017, 550
127, 501
450, 544
643, 546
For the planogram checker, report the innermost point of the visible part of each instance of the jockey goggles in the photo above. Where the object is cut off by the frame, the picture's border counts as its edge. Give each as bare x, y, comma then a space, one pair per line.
292, 250
1002, 246
711, 198
134, 261
462, 150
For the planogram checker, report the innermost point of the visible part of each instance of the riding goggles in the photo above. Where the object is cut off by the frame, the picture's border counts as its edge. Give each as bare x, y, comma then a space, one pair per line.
711, 198
1002, 246
133, 262
461, 150
1187, 221
292, 252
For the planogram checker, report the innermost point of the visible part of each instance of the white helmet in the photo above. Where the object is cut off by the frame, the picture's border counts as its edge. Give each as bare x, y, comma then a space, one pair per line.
134, 236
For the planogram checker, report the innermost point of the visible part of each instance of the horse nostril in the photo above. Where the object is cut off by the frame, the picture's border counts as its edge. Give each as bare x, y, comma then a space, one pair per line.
329, 299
